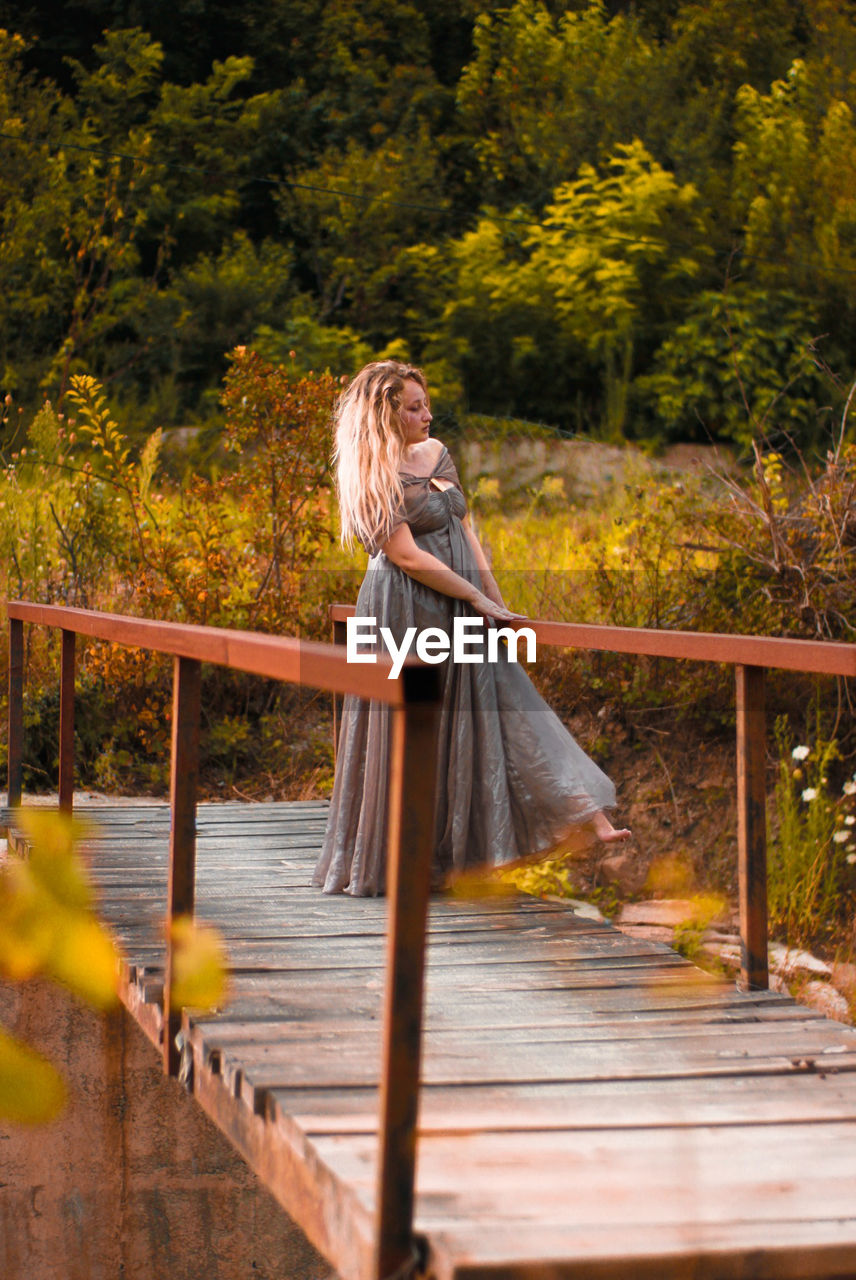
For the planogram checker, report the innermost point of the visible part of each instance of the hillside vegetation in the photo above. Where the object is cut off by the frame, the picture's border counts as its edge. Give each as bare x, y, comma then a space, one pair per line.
629, 220
629, 223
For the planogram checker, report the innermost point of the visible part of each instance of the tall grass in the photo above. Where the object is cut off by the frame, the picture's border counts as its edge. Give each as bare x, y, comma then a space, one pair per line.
812, 872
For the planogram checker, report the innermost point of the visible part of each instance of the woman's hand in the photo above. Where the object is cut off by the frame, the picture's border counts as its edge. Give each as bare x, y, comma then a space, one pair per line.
492, 609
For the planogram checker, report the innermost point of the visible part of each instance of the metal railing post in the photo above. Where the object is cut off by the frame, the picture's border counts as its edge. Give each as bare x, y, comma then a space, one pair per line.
751, 828
66, 722
411, 848
184, 776
340, 638
16, 712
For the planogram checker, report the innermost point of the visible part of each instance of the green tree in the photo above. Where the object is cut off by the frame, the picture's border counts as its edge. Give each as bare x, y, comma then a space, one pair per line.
350, 245
711, 49
614, 259
504, 343
795, 190
92, 242
544, 95
211, 305
742, 364
35, 191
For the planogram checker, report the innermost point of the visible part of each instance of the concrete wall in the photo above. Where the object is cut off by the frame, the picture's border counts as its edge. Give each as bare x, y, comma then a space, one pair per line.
586, 468
133, 1180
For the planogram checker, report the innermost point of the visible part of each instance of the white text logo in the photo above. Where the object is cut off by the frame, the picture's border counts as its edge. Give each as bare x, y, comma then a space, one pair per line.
433, 644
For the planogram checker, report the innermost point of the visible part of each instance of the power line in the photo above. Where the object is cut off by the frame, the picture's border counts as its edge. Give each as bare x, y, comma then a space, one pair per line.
362, 197
305, 186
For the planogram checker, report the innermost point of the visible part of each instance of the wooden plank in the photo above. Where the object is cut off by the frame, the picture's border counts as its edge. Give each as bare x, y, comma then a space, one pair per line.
256, 998
816, 1250
323, 666
325, 952
600, 1104
664, 1174
804, 1038
268, 1068
294, 985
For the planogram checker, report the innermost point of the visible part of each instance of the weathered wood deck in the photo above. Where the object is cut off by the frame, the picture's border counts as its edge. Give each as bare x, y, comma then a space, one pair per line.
593, 1105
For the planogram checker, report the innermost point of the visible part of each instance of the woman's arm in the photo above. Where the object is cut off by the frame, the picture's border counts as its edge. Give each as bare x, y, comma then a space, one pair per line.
491, 589
402, 550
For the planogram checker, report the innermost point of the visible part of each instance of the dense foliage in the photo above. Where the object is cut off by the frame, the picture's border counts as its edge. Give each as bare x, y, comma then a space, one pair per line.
633, 220
85, 520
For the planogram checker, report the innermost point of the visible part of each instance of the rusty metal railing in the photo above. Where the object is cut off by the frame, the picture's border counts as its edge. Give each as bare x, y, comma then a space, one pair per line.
750, 656
414, 699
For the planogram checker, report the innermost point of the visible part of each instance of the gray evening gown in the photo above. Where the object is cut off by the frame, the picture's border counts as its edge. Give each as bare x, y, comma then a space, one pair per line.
511, 780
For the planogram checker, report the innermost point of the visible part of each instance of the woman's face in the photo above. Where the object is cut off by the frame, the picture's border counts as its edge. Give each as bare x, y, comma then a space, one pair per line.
414, 413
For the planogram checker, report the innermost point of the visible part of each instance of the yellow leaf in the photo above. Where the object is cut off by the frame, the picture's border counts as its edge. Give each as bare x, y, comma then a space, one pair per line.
85, 959
26, 924
55, 832
707, 907
199, 965
26, 938
31, 1090
670, 876
472, 886
53, 861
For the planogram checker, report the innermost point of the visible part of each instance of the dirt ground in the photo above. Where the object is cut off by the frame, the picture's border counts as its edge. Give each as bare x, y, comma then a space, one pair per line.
679, 798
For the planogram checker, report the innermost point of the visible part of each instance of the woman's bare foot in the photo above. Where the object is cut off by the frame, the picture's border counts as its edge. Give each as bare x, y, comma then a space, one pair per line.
606, 832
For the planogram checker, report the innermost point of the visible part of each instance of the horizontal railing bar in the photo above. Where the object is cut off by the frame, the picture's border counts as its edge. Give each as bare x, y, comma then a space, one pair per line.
820, 657
305, 662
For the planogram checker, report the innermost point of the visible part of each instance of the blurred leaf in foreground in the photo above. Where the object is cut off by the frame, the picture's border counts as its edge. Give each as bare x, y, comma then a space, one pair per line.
199, 965
53, 860
85, 959
474, 885
31, 1090
46, 920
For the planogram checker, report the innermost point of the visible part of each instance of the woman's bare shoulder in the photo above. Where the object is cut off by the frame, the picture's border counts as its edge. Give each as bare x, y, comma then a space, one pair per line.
437, 448
424, 457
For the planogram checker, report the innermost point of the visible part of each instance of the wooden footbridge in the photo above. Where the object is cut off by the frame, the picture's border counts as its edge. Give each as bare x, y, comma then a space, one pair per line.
544, 1097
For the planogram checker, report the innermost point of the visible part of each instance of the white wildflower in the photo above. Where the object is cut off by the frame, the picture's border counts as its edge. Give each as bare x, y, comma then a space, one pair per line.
849, 820
809, 794
849, 788
800, 753
851, 858
841, 837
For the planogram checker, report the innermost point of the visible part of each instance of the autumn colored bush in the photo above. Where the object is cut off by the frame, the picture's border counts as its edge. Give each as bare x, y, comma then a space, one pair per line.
88, 521
85, 519
790, 532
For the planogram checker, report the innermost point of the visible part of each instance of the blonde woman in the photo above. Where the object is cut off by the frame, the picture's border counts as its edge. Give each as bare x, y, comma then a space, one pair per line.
512, 782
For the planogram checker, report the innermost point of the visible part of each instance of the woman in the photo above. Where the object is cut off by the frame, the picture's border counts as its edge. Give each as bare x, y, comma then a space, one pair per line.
512, 782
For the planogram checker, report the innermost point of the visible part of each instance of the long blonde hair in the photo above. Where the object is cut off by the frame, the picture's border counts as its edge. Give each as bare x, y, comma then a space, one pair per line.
367, 453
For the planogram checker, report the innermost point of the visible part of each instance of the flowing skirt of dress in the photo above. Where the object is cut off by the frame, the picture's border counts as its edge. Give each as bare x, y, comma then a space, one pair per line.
511, 780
